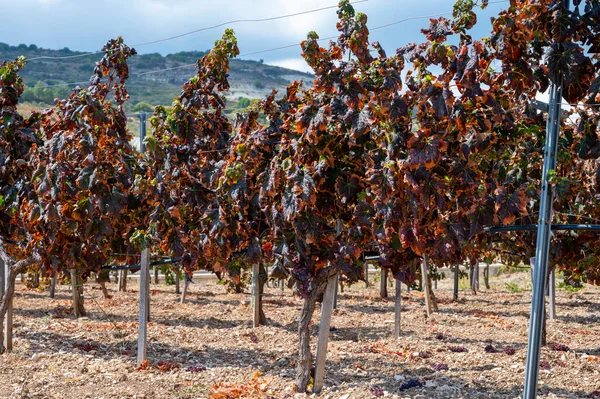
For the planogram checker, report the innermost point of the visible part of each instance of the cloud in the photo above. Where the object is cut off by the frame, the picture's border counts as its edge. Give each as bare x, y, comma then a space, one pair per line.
297, 64
85, 25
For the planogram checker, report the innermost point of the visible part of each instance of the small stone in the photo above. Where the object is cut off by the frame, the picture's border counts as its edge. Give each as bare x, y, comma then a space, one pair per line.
399, 378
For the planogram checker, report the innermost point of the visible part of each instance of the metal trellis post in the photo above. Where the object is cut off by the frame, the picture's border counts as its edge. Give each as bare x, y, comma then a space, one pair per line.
144, 308
544, 231
142, 117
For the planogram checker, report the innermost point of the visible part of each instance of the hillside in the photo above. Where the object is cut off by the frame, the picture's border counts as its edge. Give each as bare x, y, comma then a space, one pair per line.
249, 79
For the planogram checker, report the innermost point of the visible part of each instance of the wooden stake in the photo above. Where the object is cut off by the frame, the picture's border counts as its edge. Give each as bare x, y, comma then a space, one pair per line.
366, 275
2, 277
4, 271
144, 306
36, 279
156, 274
326, 310
473, 278
486, 276
552, 294
425, 283
383, 283
456, 277
122, 284
53, 284
8, 327
75, 290
335, 296
186, 284
255, 295
397, 309
177, 282
532, 265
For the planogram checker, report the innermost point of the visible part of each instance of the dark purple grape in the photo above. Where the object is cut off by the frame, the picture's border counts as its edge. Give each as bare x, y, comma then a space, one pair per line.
252, 337
509, 350
439, 367
555, 346
424, 355
413, 383
594, 395
458, 349
544, 365
441, 337
195, 369
377, 391
489, 348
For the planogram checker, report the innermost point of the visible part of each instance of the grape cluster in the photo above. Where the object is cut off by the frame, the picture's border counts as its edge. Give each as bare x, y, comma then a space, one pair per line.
86, 347
509, 350
489, 348
544, 365
412, 383
439, 366
555, 346
458, 349
377, 391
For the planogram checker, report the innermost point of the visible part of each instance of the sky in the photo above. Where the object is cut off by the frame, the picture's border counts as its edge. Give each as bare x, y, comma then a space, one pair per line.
85, 25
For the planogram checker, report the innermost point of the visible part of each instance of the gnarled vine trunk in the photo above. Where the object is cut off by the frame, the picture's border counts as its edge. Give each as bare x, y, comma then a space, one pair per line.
304, 369
262, 280
432, 297
486, 276
383, 283
77, 285
304, 362
102, 278
12, 270
53, 283
122, 281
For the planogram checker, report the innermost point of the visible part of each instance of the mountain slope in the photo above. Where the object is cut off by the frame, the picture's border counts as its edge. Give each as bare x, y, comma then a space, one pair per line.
249, 79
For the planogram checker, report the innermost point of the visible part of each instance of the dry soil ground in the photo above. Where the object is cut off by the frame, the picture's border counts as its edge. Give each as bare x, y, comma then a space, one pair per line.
207, 348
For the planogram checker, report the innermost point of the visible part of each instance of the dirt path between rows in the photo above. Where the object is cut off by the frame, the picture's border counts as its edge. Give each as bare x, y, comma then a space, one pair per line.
207, 348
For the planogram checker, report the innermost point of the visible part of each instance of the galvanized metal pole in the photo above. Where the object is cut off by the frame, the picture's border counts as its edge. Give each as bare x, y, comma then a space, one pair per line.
552, 295
544, 231
8, 321
144, 307
142, 117
397, 309
255, 295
